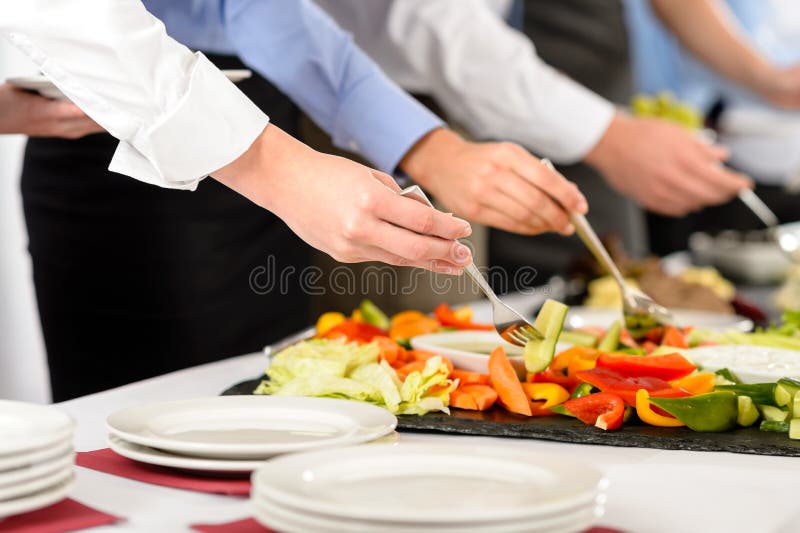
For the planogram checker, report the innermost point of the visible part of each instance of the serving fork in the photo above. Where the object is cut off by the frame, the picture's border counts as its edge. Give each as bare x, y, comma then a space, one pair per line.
638, 309
511, 325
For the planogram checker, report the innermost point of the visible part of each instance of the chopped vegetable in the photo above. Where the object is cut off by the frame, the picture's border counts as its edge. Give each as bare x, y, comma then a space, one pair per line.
447, 317
470, 378
710, 412
748, 413
773, 414
697, 383
410, 324
584, 389
327, 321
354, 331
761, 393
794, 429
484, 395
645, 412
774, 426
544, 396
729, 377
372, 315
505, 382
578, 338
608, 380
601, 409
550, 321
674, 337
666, 367
786, 390
610, 340
463, 400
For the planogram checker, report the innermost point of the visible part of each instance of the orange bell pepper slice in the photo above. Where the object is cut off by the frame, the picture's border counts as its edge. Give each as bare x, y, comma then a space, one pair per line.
646, 414
696, 384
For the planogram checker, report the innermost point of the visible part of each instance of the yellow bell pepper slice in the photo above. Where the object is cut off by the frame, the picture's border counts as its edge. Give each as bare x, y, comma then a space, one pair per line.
357, 316
328, 321
552, 394
463, 314
646, 414
696, 384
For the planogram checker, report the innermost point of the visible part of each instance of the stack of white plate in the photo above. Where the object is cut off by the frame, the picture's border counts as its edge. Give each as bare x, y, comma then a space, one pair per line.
36, 457
426, 488
235, 434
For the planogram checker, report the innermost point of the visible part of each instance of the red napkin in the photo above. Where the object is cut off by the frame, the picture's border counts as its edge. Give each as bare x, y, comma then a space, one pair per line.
110, 462
249, 525
66, 515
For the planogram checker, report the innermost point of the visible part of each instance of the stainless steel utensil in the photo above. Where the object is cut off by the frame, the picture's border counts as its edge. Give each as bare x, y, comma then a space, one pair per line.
787, 241
510, 324
638, 309
294, 338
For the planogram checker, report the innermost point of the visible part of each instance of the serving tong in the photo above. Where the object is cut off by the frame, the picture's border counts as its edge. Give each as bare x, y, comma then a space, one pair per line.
638, 309
511, 325
787, 240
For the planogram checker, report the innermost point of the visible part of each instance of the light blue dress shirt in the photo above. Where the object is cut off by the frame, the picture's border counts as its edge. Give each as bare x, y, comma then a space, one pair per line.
301, 50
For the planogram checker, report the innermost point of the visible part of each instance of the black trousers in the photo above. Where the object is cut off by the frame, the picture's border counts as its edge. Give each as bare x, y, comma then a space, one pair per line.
133, 280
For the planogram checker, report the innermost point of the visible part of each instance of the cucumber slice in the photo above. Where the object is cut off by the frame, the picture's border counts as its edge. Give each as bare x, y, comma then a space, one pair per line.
610, 340
748, 413
785, 391
550, 322
794, 429
728, 376
373, 315
666, 350
761, 393
794, 406
774, 425
773, 414
578, 338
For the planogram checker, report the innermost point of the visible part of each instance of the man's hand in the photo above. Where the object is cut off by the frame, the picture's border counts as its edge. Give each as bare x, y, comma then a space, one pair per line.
663, 166
349, 211
37, 116
498, 184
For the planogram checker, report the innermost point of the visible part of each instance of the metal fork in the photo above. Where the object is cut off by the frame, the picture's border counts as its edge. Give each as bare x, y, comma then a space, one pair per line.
638, 309
510, 324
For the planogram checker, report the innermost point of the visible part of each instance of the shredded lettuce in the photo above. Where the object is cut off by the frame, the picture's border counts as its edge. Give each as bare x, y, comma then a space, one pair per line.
335, 369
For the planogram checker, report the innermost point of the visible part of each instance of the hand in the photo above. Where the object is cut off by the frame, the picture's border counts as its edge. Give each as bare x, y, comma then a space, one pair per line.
349, 211
37, 116
781, 87
498, 184
663, 166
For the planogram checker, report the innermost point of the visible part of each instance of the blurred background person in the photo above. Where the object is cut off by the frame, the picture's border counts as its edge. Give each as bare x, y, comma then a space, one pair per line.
751, 118
558, 98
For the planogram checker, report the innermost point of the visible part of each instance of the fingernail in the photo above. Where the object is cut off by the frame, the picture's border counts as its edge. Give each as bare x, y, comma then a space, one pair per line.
583, 206
467, 231
462, 253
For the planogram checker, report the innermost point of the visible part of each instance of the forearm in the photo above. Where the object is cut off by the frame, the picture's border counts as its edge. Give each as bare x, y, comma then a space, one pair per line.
709, 30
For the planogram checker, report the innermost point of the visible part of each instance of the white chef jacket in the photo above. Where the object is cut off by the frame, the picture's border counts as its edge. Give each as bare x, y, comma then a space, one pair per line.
176, 115
483, 73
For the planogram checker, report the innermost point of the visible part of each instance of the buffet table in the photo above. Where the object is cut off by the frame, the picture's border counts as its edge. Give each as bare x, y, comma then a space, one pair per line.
650, 490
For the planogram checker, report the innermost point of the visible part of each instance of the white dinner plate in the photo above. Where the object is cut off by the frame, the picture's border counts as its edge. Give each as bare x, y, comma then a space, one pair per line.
250, 427
26, 426
158, 457
42, 85
752, 364
469, 350
41, 499
32, 486
287, 520
427, 483
32, 457
25, 473
581, 317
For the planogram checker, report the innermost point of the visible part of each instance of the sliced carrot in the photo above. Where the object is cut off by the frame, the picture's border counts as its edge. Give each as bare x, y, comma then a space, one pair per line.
505, 382
463, 400
466, 377
408, 368
674, 337
412, 328
649, 347
484, 395
389, 350
422, 355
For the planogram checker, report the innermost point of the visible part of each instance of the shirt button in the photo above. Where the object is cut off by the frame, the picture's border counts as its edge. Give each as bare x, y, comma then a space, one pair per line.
353, 146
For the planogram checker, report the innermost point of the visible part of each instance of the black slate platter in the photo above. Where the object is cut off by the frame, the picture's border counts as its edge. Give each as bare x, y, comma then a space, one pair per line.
499, 423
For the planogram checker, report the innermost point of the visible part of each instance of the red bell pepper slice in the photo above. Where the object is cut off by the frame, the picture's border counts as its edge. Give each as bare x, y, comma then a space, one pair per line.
625, 387
447, 317
601, 409
354, 331
667, 367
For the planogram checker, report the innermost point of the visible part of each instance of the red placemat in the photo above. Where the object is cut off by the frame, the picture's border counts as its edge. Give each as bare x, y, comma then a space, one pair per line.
110, 462
66, 515
249, 525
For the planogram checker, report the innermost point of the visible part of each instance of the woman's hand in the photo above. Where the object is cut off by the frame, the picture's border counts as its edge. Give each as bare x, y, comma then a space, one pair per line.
37, 116
347, 210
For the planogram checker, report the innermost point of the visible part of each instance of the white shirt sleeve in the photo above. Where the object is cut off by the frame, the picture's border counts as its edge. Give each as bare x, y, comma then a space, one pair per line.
176, 115
485, 75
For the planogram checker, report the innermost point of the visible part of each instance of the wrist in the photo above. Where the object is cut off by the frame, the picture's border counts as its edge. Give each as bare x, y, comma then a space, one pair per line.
423, 159
606, 147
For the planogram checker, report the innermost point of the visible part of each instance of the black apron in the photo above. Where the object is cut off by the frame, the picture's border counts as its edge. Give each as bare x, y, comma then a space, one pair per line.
588, 41
133, 280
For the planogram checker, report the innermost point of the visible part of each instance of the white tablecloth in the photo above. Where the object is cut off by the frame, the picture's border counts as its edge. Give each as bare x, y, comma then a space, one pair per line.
650, 491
